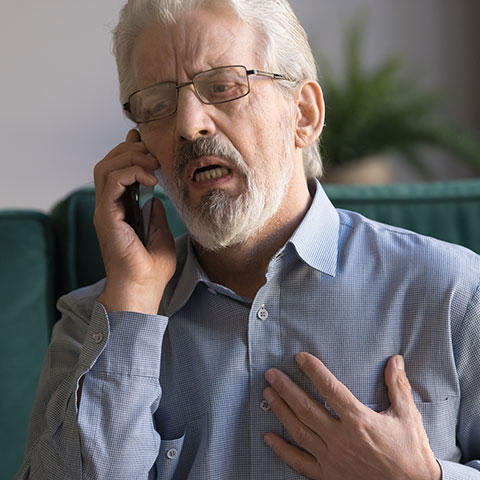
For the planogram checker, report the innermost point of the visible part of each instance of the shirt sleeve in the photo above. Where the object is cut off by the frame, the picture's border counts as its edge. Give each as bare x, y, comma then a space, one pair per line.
467, 356
111, 434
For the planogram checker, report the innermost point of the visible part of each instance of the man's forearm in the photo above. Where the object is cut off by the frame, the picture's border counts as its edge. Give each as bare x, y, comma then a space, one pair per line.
99, 385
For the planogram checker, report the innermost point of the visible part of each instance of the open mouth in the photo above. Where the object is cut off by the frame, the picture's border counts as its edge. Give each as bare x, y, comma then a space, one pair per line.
211, 172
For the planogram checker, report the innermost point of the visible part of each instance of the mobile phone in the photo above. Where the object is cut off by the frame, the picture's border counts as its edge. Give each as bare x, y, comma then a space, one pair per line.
137, 201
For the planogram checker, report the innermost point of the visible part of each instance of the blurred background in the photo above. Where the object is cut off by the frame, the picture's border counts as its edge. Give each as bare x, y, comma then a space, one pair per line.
400, 78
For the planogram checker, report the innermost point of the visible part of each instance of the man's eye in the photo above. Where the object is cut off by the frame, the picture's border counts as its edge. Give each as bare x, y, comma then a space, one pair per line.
159, 107
219, 88
156, 109
223, 91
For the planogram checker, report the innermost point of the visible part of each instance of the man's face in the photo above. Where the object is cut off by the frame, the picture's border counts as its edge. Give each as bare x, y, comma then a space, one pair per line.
250, 139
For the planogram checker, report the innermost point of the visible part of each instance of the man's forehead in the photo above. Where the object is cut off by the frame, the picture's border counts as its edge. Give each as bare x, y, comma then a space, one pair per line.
196, 41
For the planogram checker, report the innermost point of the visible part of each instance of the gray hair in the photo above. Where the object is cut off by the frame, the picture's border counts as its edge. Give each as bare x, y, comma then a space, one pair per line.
284, 44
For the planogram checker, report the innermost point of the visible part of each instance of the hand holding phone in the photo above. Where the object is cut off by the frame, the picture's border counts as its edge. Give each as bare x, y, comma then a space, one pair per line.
136, 276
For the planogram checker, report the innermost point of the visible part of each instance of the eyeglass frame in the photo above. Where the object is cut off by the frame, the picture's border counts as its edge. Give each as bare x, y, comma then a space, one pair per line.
178, 86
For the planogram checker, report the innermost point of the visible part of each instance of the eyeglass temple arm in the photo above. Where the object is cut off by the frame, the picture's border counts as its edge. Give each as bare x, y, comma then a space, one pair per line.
275, 76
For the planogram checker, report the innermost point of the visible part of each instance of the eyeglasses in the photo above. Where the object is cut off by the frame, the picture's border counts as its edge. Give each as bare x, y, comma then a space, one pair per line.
215, 86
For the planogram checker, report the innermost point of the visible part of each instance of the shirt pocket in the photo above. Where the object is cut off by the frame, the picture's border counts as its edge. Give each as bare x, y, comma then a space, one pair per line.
169, 457
177, 458
440, 419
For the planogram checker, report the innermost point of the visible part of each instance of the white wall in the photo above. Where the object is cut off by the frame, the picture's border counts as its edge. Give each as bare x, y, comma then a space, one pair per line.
60, 113
59, 110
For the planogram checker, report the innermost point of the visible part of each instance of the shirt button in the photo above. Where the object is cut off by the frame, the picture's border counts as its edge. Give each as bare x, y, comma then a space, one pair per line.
265, 406
172, 453
97, 337
262, 314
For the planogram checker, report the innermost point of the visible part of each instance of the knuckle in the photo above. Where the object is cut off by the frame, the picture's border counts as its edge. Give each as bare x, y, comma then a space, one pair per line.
299, 434
307, 410
298, 464
98, 169
362, 426
416, 415
404, 383
329, 388
116, 176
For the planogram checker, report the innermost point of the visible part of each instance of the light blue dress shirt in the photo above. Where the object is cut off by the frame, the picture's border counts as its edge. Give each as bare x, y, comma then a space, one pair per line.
179, 395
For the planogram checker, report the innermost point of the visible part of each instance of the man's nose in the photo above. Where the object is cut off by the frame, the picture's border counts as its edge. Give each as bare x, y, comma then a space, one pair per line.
193, 118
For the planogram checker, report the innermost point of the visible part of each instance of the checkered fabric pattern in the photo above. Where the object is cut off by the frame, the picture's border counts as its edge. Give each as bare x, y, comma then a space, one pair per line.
179, 395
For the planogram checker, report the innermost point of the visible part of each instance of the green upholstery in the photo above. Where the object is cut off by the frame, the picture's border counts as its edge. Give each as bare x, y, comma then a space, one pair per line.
27, 314
449, 211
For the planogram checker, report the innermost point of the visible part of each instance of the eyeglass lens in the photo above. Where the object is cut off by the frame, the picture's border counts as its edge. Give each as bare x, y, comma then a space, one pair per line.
215, 86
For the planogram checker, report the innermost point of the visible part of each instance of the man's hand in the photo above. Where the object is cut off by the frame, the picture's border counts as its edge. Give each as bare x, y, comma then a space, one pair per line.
360, 443
136, 276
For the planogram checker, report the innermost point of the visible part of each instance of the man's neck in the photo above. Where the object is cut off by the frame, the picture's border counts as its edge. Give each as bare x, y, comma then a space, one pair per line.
242, 267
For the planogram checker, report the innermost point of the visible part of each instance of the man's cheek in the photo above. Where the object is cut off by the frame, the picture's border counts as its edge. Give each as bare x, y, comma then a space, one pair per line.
159, 147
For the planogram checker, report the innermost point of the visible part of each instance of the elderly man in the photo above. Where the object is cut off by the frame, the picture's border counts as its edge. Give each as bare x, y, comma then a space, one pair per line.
275, 340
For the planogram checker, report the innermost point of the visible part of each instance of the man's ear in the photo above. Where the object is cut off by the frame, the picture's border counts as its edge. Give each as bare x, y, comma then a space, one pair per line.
310, 114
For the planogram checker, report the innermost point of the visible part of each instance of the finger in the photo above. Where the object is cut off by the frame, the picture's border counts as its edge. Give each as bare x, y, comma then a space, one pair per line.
305, 408
127, 146
399, 389
334, 392
160, 238
302, 462
119, 180
123, 160
133, 136
299, 431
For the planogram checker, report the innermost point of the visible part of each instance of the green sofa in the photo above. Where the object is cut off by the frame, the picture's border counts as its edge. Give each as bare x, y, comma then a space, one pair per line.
44, 256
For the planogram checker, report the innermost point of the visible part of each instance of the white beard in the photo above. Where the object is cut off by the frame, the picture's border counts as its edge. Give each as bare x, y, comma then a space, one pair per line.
221, 219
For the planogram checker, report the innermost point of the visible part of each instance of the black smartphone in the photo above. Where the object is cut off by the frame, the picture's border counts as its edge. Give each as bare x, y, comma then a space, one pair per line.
137, 201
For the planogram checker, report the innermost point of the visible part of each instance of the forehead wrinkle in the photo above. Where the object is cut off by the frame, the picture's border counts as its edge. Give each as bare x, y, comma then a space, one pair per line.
178, 50
204, 49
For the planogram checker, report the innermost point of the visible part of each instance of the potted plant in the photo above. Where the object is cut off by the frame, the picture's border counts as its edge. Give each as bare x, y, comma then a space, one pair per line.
373, 112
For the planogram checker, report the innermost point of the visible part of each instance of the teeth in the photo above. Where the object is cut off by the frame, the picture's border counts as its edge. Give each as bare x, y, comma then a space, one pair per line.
214, 173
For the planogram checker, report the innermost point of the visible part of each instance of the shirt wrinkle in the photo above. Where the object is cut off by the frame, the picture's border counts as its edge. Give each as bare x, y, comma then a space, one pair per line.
351, 291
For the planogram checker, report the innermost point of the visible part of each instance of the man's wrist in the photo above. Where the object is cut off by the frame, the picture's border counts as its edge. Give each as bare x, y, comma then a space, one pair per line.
131, 298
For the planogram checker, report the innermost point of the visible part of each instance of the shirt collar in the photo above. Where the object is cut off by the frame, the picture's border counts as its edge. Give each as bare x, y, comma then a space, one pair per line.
191, 274
316, 238
315, 241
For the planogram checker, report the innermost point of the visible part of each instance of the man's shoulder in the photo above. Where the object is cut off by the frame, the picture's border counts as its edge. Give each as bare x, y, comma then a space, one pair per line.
417, 250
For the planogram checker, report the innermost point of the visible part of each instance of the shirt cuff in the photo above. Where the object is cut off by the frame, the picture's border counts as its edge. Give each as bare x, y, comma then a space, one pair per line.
126, 343
457, 471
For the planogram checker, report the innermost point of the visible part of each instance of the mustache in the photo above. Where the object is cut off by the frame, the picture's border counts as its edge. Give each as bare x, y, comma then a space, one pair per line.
207, 147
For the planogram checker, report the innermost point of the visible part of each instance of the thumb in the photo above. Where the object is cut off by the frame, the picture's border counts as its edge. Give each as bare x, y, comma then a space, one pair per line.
133, 136
399, 389
160, 239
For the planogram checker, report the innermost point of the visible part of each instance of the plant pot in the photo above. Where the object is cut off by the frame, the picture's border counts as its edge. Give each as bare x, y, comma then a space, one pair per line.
370, 170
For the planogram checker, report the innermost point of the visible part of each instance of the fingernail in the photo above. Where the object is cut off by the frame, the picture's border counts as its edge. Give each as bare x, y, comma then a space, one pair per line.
301, 358
399, 362
268, 439
268, 395
270, 375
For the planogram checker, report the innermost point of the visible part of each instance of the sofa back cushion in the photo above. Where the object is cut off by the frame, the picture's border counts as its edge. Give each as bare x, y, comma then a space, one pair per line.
27, 311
